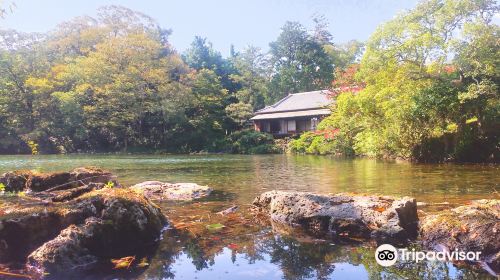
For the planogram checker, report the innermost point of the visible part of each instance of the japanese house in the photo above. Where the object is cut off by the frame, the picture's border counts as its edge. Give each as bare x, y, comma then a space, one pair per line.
294, 114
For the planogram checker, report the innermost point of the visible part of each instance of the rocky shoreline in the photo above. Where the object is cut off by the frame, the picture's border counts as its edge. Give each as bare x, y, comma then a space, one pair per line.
70, 222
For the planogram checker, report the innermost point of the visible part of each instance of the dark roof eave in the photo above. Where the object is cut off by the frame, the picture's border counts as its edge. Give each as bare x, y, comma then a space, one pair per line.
285, 111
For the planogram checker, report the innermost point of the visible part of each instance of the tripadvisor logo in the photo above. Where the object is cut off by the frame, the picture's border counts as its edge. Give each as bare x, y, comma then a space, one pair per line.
388, 255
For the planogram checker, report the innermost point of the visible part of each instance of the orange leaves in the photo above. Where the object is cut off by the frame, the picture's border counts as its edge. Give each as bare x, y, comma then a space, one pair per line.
182, 225
328, 134
10, 274
449, 69
143, 263
124, 262
345, 80
463, 228
379, 209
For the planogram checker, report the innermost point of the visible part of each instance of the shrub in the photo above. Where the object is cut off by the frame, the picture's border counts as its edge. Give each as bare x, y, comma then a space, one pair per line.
322, 143
301, 144
252, 142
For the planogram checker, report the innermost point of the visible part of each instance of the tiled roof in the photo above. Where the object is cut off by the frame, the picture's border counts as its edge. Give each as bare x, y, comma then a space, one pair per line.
299, 102
292, 114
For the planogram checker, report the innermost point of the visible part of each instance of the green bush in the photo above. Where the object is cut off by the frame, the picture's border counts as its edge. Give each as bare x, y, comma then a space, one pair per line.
301, 144
252, 142
317, 143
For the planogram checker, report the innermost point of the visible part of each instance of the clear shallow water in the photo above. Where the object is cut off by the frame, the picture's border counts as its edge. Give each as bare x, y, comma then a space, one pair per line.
246, 250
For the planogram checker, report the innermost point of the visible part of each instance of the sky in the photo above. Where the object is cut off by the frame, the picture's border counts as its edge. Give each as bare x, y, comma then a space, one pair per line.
223, 22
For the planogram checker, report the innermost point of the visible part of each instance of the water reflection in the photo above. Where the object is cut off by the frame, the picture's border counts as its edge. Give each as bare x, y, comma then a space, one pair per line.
269, 256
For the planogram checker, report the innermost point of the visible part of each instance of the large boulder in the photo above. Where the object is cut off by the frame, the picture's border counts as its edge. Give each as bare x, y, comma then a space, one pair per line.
167, 191
385, 219
474, 227
16, 181
69, 237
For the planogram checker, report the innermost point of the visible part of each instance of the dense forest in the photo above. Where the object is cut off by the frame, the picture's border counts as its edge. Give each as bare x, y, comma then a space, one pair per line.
423, 87
115, 83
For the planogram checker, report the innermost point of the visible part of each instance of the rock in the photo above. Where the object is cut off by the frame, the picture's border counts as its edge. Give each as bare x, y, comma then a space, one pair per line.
474, 227
23, 229
386, 219
85, 175
167, 191
65, 195
15, 181
67, 251
62, 238
36, 182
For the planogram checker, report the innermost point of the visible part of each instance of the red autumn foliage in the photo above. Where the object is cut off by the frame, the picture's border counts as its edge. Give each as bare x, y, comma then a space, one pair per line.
328, 134
449, 69
345, 81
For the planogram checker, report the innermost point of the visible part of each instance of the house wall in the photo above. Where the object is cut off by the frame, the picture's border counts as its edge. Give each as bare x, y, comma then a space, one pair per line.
288, 126
303, 125
291, 126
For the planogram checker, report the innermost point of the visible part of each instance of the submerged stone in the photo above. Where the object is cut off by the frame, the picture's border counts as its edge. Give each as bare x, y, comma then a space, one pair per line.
383, 218
168, 191
474, 228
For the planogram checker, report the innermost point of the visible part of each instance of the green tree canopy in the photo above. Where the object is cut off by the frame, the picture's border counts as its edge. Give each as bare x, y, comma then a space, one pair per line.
430, 79
299, 63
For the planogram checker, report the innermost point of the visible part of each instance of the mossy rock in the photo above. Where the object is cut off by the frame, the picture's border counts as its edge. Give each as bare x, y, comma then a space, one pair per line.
96, 225
474, 227
25, 180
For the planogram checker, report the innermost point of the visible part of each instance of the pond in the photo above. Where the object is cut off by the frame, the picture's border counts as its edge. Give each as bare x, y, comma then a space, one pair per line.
246, 250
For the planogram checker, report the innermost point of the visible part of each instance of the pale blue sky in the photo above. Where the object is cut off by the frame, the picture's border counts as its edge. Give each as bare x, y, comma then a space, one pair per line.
223, 22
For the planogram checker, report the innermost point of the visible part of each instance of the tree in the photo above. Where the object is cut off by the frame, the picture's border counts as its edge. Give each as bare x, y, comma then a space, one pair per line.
24, 112
409, 57
201, 55
321, 33
429, 86
115, 83
251, 76
207, 116
239, 112
344, 55
299, 63
252, 79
